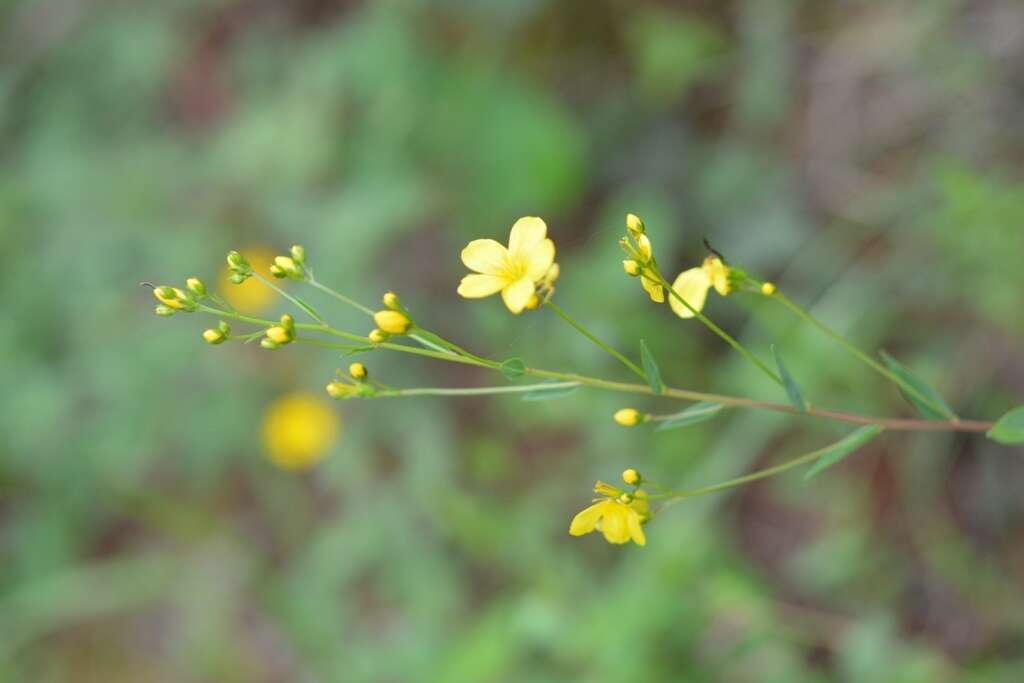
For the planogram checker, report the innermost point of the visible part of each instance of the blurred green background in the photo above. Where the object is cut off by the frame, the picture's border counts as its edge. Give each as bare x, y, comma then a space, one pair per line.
865, 155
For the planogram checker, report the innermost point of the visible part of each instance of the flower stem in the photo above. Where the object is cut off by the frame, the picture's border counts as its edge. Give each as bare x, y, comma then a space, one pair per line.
806, 316
623, 387
479, 391
304, 306
747, 478
586, 333
725, 336
337, 295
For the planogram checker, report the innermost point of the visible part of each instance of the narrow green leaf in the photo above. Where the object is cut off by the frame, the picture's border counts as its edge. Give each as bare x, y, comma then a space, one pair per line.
935, 408
796, 397
550, 394
513, 368
651, 368
431, 341
1009, 429
308, 309
842, 448
698, 412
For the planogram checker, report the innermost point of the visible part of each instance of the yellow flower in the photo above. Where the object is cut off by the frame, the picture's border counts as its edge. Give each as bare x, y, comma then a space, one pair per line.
768, 288
693, 285
392, 322
252, 297
619, 516
514, 271
629, 417
298, 430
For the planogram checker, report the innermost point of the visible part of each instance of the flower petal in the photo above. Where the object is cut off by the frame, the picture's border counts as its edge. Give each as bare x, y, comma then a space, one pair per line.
719, 274
636, 532
615, 523
478, 286
537, 259
692, 285
527, 232
654, 289
517, 294
485, 256
585, 521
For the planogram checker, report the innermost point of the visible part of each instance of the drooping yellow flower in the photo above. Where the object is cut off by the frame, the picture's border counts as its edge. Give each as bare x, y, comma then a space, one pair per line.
619, 516
693, 285
252, 297
516, 270
298, 431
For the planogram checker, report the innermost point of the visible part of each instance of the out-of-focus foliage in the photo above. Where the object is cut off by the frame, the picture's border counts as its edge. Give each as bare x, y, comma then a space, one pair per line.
866, 156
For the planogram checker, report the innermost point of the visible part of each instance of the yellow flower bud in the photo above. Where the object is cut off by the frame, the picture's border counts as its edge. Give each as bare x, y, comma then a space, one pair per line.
358, 371
632, 268
768, 288
392, 322
551, 277
629, 417
643, 243
237, 262
164, 311
340, 390
167, 297
285, 263
269, 344
280, 335
634, 225
532, 303
626, 498
288, 322
196, 286
278, 272
378, 336
298, 254
214, 337
392, 302
631, 477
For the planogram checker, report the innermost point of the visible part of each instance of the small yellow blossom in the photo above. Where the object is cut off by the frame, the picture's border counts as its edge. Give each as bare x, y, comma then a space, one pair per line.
358, 371
214, 337
251, 296
392, 322
693, 285
619, 516
629, 417
377, 336
391, 301
641, 261
299, 430
631, 477
516, 270
768, 288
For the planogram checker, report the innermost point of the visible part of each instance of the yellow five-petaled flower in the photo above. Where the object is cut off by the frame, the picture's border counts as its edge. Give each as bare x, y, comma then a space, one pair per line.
516, 270
693, 285
618, 516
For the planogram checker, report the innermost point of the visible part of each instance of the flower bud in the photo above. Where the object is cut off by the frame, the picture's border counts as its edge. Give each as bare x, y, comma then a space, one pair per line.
288, 322
339, 390
288, 267
298, 254
269, 343
392, 302
631, 477
378, 336
551, 277
280, 335
532, 303
237, 262
626, 498
392, 322
768, 288
238, 278
278, 272
643, 243
196, 286
629, 417
358, 371
634, 225
632, 268
224, 327
214, 337
164, 311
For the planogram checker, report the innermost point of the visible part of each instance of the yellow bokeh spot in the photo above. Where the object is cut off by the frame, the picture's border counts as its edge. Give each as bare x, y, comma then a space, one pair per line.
299, 430
252, 296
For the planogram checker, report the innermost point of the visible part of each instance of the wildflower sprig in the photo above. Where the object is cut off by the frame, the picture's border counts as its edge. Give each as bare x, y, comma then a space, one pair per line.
525, 273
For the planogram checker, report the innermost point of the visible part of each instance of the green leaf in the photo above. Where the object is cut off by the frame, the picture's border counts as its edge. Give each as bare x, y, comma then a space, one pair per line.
830, 455
698, 412
550, 394
796, 397
1009, 429
651, 369
513, 368
935, 408
308, 309
431, 341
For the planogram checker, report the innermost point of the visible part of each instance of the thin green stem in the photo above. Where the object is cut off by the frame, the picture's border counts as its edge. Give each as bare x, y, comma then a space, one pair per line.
745, 479
338, 295
725, 336
806, 316
305, 307
479, 391
633, 367
622, 387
